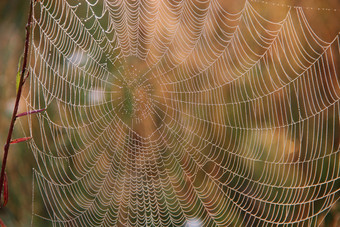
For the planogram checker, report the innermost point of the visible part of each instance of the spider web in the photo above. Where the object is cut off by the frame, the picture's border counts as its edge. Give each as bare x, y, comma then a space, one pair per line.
172, 113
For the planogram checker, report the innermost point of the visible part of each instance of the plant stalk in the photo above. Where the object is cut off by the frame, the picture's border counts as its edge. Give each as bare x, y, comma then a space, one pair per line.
17, 100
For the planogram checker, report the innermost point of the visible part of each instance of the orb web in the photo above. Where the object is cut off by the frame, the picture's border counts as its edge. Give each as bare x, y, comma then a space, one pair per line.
172, 113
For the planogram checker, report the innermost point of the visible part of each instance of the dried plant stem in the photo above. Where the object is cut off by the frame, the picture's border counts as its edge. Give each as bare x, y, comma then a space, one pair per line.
17, 100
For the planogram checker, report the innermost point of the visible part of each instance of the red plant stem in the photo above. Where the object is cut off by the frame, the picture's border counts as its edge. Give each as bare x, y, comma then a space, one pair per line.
17, 100
30, 112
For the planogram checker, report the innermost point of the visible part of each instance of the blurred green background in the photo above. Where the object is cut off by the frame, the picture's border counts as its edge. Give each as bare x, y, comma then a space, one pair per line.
13, 16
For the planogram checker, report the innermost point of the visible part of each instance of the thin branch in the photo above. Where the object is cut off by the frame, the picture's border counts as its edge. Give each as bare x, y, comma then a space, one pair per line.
30, 112
17, 100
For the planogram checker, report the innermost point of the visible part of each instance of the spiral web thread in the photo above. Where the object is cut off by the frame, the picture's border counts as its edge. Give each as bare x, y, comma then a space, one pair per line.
172, 113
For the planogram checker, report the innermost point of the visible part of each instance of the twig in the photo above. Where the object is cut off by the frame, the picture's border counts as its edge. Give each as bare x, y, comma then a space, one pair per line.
16, 106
